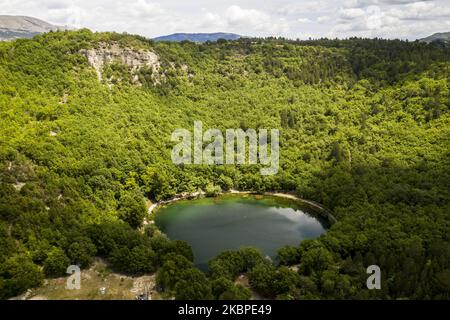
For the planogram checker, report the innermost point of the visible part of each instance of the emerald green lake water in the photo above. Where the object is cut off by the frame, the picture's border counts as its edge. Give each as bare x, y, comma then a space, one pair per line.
212, 225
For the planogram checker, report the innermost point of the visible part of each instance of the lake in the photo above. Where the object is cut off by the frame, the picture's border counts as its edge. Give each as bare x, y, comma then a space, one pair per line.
212, 225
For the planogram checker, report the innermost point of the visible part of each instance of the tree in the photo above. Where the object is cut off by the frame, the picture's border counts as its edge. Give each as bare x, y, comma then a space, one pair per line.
150, 230
230, 263
236, 292
443, 281
111, 235
132, 209
212, 190
163, 247
250, 258
81, 251
56, 262
224, 289
172, 271
19, 273
140, 259
225, 182
288, 255
120, 258
182, 248
337, 153
315, 260
220, 285
262, 278
192, 285
284, 280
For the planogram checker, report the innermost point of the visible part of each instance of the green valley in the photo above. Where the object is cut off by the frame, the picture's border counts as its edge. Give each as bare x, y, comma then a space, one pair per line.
85, 140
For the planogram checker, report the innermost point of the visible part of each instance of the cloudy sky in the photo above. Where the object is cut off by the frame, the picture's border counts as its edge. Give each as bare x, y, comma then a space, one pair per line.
294, 19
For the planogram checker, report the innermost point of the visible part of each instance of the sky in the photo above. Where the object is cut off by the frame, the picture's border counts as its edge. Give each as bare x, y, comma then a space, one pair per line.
401, 19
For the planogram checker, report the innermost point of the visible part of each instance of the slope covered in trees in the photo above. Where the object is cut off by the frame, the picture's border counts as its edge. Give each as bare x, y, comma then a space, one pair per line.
365, 130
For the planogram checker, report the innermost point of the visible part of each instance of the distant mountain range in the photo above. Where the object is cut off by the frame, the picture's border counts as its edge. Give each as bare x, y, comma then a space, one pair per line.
441, 39
198, 37
14, 27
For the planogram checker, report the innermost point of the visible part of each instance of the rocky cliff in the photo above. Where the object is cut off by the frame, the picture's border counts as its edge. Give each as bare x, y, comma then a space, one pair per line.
133, 59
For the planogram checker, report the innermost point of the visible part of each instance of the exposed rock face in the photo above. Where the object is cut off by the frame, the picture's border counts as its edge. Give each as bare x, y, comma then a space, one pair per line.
133, 59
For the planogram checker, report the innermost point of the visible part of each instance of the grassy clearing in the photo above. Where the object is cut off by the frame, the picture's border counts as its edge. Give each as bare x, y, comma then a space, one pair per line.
118, 286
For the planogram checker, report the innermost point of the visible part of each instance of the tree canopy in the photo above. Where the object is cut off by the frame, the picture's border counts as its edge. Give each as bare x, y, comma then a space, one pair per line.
364, 130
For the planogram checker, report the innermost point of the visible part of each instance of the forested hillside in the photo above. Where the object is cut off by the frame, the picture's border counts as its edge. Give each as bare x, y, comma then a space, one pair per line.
364, 130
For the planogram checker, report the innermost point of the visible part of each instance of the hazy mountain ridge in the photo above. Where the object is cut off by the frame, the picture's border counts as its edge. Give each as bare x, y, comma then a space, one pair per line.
437, 36
15, 27
198, 37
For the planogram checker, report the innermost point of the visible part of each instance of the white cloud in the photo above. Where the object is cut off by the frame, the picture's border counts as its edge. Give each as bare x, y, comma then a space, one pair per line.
303, 7
400, 2
351, 13
140, 9
212, 21
323, 19
419, 10
359, 3
374, 18
236, 18
366, 3
400, 20
56, 4
291, 18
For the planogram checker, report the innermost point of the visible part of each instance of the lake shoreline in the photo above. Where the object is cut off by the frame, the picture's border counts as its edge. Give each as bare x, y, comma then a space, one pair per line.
286, 195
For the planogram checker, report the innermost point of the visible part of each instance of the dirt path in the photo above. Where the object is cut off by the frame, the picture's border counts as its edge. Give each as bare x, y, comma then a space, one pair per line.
310, 202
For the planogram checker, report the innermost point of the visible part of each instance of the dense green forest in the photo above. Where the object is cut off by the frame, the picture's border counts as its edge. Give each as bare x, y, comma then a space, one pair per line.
364, 130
